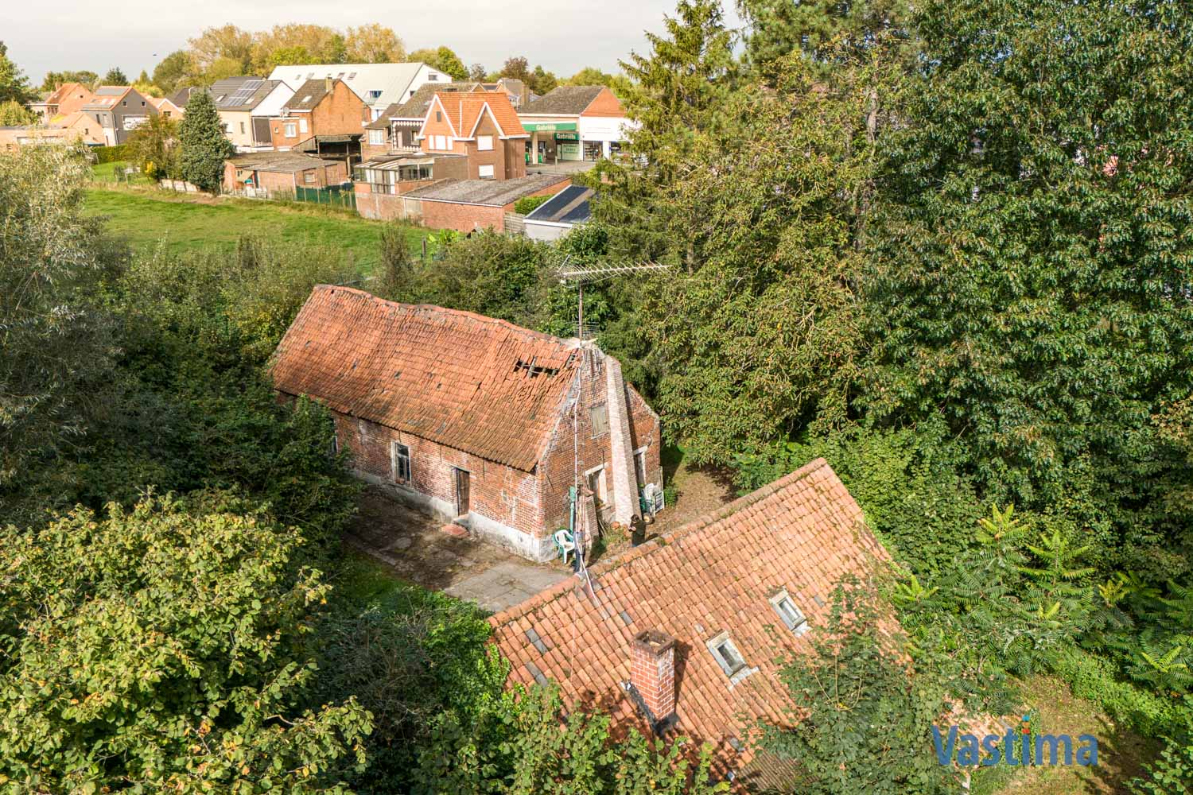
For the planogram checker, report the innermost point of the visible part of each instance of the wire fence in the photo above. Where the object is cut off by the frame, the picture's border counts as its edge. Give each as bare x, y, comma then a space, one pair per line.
334, 196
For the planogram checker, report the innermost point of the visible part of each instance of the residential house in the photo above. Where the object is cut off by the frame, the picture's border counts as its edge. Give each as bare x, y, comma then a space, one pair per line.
62, 101
379, 85
270, 173
512, 87
167, 108
575, 123
246, 106
323, 117
481, 127
560, 214
81, 126
465, 205
395, 130
478, 420
118, 110
183, 95
687, 633
451, 133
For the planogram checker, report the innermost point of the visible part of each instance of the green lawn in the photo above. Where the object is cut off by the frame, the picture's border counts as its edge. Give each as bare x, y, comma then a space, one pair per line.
146, 219
108, 172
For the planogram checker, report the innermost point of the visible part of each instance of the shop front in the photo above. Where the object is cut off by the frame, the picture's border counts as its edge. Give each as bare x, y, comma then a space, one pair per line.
553, 141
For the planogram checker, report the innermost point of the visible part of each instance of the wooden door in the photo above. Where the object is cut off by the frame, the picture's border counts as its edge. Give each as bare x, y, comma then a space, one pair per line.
462, 503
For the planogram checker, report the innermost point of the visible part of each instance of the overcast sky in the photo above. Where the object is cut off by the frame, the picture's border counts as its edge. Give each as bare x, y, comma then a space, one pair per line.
563, 36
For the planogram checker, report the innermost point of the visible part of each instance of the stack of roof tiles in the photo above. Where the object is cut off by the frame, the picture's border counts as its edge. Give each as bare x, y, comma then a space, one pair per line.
472, 383
802, 533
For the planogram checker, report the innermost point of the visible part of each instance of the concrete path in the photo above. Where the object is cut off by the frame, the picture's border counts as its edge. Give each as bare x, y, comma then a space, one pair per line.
415, 547
505, 585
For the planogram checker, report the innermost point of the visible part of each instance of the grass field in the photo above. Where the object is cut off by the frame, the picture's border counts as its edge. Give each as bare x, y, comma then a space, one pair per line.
147, 219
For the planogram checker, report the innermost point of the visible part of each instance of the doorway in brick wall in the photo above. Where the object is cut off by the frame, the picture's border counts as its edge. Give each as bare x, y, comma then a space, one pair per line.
463, 505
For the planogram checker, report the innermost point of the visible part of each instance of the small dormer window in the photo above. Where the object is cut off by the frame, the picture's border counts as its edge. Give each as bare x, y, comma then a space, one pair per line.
793, 617
726, 654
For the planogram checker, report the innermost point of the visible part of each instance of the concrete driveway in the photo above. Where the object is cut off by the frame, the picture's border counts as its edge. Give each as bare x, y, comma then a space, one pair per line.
416, 548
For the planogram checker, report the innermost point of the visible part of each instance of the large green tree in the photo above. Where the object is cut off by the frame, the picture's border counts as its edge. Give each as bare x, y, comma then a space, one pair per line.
442, 58
14, 85
204, 147
1028, 285
158, 648
819, 30
172, 70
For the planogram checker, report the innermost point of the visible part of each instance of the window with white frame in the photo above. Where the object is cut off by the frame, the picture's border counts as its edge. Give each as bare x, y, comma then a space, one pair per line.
484, 172
399, 462
302, 125
793, 617
441, 142
377, 137
484, 143
291, 129
595, 478
450, 142
308, 176
242, 128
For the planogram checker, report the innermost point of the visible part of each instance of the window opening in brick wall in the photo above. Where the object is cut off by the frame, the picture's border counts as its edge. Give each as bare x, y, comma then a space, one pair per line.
399, 455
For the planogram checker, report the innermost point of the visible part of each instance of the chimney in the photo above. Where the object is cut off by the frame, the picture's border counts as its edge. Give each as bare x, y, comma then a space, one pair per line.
652, 674
327, 83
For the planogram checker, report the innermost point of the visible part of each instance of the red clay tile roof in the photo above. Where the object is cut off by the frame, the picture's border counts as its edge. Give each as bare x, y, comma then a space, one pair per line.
464, 108
452, 377
716, 574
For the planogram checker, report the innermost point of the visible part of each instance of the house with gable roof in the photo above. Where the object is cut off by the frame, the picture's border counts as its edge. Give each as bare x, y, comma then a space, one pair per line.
63, 101
481, 127
686, 633
118, 110
480, 421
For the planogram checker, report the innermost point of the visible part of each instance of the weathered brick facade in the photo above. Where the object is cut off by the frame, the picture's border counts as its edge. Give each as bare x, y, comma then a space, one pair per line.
514, 409
340, 111
535, 503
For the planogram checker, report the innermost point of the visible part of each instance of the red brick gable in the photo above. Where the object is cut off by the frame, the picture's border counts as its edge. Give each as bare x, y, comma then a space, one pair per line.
604, 104
472, 383
462, 112
714, 575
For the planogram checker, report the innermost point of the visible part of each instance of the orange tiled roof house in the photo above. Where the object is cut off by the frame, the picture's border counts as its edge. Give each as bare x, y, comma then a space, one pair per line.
481, 421
686, 633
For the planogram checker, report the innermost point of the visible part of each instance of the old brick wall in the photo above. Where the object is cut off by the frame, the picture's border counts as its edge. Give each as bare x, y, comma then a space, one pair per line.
500, 493
463, 217
340, 112
594, 450
386, 207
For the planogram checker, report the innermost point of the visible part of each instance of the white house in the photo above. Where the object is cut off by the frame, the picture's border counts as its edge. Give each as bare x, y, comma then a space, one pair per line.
378, 84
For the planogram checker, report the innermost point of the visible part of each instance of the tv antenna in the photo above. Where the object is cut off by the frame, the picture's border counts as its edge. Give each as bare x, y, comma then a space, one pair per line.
592, 274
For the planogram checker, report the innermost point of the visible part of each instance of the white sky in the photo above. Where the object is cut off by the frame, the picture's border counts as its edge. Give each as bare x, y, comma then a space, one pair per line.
563, 36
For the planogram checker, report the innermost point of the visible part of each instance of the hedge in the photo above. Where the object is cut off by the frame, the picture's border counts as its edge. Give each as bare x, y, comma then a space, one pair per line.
1093, 678
528, 204
111, 154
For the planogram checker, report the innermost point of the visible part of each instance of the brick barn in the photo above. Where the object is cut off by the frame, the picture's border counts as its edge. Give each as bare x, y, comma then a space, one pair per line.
686, 635
484, 423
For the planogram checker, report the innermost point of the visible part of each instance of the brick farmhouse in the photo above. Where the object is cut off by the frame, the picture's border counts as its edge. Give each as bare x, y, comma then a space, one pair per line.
484, 423
686, 634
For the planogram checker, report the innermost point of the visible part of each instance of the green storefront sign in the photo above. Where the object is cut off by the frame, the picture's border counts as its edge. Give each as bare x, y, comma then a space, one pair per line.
552, 126
567, 136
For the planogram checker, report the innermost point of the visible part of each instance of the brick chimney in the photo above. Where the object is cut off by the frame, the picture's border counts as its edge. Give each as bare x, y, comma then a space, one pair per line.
652, 673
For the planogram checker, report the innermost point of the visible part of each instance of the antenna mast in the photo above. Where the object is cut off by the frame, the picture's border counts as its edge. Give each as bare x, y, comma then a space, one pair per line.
599, 273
